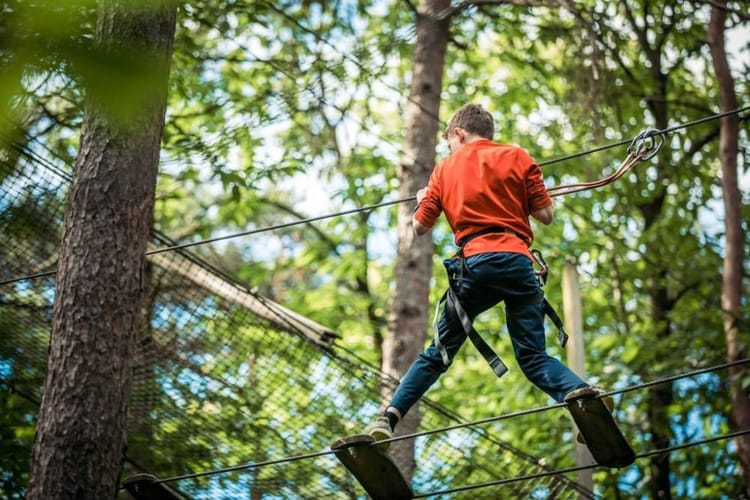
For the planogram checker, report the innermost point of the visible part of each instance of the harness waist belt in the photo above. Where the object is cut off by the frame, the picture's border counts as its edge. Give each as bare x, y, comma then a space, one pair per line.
488, 230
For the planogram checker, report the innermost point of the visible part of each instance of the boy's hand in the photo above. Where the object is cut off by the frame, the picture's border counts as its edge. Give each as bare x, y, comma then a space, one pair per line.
421, 194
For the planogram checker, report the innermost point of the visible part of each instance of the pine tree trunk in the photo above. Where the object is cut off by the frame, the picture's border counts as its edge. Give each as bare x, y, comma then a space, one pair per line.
731, 284
408, 310
80, 438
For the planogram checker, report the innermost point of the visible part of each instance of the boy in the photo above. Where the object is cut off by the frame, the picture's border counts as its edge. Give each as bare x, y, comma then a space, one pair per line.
487, 192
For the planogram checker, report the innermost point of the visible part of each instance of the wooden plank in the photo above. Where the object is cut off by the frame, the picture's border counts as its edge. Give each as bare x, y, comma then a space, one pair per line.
603, 438
374, 470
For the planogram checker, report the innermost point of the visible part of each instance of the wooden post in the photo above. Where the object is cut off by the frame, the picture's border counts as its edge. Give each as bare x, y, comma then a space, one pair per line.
573, 321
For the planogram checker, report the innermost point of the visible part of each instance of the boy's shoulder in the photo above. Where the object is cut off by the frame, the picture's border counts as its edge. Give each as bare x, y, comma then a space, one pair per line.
519, 153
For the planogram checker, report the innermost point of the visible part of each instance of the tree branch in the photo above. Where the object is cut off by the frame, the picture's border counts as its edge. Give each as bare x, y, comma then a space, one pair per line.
713, 3
412, 7
454, 11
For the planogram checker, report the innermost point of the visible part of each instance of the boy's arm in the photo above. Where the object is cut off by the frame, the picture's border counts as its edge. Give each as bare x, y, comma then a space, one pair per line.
540, 203
544, 215
418, 227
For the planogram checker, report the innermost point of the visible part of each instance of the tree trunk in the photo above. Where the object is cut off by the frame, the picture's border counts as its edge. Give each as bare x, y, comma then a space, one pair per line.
80, 438
659, 397
731, 283
408, 310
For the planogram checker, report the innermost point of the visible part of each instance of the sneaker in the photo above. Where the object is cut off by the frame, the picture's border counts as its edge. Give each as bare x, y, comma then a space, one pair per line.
381, 430
585, 393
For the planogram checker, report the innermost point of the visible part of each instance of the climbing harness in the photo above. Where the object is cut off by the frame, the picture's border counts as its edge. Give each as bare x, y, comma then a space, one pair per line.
453, 306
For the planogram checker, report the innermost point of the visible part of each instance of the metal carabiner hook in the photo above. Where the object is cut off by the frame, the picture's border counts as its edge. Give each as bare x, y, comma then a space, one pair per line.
542, 273
647, 143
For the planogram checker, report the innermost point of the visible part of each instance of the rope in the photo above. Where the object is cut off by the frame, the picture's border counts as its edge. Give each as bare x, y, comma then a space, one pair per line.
506, 416
279, 226
656, 132
529, 477
249, 466
554, 191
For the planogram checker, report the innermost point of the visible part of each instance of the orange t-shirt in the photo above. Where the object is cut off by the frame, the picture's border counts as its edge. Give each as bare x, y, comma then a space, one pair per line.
483, 185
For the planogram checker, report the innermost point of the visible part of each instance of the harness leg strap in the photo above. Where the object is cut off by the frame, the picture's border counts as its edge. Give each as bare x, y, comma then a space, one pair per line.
453, 306
439, 345
562, 336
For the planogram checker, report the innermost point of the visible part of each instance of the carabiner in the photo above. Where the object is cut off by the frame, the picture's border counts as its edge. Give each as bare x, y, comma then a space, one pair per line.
647, 143
542, 273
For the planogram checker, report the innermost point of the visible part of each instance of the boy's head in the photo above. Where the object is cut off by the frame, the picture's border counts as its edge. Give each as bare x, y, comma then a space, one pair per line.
474, 119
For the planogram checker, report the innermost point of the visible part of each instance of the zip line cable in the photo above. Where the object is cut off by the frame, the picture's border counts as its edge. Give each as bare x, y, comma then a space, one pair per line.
644, 136
655, 132
567, 470
498, 482
250, 466
497, 418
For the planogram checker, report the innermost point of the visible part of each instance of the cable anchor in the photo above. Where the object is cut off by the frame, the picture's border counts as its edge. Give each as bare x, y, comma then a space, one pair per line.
646, 144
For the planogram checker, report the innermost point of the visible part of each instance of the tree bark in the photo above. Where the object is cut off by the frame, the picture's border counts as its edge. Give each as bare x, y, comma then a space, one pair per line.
409, 303
731, 282
80, 438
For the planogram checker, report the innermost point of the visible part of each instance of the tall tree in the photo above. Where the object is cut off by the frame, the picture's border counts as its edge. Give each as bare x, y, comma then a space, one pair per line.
408, 309
731, 283
98, 304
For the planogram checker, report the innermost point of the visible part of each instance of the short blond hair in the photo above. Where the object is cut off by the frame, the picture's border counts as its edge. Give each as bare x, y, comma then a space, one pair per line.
474, 119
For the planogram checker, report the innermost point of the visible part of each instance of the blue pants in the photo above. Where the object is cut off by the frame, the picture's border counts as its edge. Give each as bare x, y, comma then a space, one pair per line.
493, 277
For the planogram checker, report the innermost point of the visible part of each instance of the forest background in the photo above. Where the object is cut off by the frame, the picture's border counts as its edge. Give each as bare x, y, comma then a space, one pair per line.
277, 111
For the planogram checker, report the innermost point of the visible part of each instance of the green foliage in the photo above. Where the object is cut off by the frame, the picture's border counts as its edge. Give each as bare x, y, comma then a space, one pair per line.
52, 50
17, 437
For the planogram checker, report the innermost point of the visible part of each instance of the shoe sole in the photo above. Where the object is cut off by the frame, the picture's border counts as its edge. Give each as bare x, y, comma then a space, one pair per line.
589, 392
